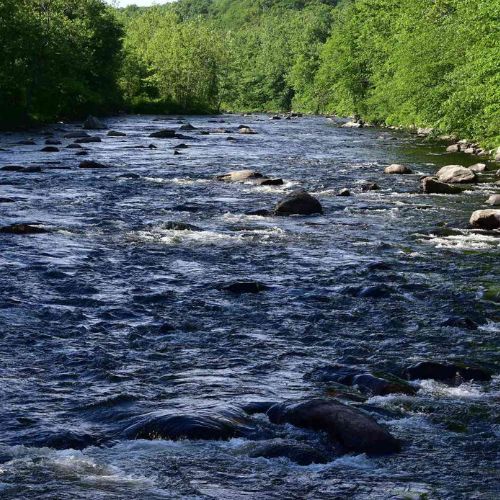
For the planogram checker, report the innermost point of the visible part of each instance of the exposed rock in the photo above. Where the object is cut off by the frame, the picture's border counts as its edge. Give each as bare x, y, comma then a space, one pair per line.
93, 123
74, 146
362, 379
166, 133
176, 152
65, 440
28, 142
92, 164
245, 287
265, 181
351, 428
88, 140
239, 176
352, 124
115, 133
298, 202
457, 322
76, 135
445, 372
18, 168
275, 117
454, 148
81, 153
374, 291
456, 174
179, 226
163, 425
297, 452
398, 169
470, 151
247, 131
129, 175
187, 126
7, 200
370, 186
50, 149
430, 185
152, 146
478, 167
494, 200
486, 219
24, 229
181, 146
344, 192
424, 131
52, 142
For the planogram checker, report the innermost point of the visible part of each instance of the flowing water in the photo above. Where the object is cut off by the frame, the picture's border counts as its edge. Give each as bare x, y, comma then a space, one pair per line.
112, 315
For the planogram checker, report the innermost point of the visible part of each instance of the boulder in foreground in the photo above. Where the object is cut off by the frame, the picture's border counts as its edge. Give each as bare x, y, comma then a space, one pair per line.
456, 174
486, 219
431, 185
298, 202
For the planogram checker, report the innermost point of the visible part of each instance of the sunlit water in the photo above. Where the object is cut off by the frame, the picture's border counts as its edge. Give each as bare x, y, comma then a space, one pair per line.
112, 316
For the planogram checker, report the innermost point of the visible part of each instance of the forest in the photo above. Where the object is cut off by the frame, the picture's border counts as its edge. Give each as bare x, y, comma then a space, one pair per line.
408, 63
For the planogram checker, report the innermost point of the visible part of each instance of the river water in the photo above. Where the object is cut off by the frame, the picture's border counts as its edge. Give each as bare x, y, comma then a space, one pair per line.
111, 315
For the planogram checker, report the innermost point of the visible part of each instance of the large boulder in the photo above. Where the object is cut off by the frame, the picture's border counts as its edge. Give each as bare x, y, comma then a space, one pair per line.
207, 426
300, 453
298, 202
486, 219
445, 372
350, 428
430, 185
239, 176
478, 167
93, 123
494, 200
398, 169
456, 174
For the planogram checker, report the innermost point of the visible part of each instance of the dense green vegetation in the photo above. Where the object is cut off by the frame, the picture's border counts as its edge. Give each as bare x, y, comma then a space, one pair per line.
58, 58
414, 63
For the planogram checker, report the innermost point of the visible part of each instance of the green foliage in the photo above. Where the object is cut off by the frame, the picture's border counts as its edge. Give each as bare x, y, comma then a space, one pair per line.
57, 58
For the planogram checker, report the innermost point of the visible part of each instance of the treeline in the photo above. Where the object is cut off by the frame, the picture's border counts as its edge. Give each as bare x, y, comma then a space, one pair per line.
58, 59
414, 63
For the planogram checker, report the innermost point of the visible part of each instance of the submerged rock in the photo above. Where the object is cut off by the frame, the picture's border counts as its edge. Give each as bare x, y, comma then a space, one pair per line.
76, 135
166, 133
115, 133
19, 168
457, 322
298, 202
92, 164
88, 140
349, 427
445, 372
165, 425
370, 186
27, 142
259, 213
49, 149
265, 181
52, 142
300, 453
361, 379
93, 123
180, 226
24, 229
239, 176
344, 192
74, 146
187, 126
245, 287
397, 169
430, 185
455, 174
486, 219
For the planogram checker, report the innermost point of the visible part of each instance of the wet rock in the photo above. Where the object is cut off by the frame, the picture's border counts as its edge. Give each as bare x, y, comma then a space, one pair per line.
349, 427
166, 133
26, 143
397, 169
247, 131
176, 152
352, 124
181, 146
486, 219
116, 133
265, 181
187, 126
239, 176
454, 148
445, 372
18, 168
275, 117
458, 322
344, 192
24, 229
88, 140
478, 167
68, 440
52, 142
180, 226
92, 164
245, 287
76, 135
375, 292
494, 200
255, 407
129, 175
430, 185
361, 379
455, 174
185, 137
164, 425
49, 149
93, 123
299, 453
370, 186
259, 213
298, 203
74, 146
7, 200
82, 153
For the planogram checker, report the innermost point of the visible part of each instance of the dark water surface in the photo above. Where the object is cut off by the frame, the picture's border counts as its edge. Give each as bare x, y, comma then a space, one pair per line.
112, 316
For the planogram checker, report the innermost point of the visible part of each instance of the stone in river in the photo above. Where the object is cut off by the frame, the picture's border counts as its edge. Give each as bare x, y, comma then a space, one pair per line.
164, 134
431, 185
494, 200
239, 176
116, 133
245, 287
92, 164
24, 229
486, 219
445, 372
397, 169
455, 174
295, 451
93, 123
298, 202
50, 149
